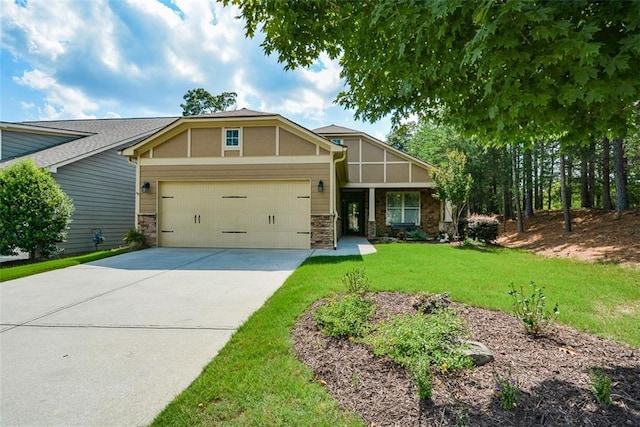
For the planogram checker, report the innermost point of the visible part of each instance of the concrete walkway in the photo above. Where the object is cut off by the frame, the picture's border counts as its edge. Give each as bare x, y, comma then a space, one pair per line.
112, 342
348, 245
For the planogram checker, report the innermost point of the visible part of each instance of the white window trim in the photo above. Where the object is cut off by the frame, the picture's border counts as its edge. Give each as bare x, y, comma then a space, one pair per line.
224, 140
403, 206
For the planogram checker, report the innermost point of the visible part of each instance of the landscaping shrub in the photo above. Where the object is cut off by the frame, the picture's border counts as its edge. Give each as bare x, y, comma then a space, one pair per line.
422, 343
482, 228
356, 282
471, 243
136, 239
416, 234
600, 386
345, 316
427, 303
34, 211
508, 390
530, 309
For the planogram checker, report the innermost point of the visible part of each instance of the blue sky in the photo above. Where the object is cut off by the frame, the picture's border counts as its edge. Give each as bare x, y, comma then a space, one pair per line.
65, 59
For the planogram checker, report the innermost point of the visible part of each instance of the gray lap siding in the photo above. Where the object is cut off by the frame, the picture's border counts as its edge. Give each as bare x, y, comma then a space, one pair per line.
103, 191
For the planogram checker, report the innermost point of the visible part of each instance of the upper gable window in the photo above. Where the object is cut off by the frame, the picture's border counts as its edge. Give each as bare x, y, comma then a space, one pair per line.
232, 139
337, 140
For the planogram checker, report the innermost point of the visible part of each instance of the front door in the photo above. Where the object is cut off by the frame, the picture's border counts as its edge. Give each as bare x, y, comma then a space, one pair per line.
354, 218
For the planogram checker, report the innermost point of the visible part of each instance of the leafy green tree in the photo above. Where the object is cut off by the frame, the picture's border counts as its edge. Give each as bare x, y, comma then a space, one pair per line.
505, 71
199, 101
454, 184
34, 211
402, 135
431, 141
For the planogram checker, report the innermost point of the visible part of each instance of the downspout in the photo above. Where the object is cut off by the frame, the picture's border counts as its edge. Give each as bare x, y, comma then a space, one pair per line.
134, 161
333, 198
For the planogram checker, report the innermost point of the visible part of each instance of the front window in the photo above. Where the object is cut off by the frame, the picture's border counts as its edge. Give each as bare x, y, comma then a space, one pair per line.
403, 207
232, 138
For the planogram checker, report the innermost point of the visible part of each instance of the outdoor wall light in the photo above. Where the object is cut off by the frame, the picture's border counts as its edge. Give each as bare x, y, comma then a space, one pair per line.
320, 186
145, 187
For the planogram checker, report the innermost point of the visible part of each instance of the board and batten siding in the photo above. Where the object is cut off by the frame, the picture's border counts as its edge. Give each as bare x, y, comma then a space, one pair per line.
373, 163
314, 172
102, 188
15, 144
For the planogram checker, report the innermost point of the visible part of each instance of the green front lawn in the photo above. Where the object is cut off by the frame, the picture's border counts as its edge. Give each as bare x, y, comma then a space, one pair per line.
10, 273
257, 380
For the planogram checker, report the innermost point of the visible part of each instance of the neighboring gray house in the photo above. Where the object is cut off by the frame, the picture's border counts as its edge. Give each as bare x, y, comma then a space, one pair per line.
82, 156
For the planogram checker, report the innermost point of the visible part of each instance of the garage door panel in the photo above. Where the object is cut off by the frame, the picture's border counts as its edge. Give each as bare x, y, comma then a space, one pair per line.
259, 214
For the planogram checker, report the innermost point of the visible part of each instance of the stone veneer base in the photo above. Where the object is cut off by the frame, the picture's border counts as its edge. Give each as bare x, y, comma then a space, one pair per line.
322, 232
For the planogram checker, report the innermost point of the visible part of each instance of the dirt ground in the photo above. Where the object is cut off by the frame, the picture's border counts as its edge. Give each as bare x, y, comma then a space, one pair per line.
552, 372
596, 236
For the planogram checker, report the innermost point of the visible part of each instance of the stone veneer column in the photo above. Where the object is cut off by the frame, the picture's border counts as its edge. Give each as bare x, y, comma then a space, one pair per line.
371, 230
321, 231
148, 224
371, 214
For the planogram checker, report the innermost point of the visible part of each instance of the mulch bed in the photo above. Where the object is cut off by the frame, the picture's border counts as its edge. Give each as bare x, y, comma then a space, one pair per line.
552, 371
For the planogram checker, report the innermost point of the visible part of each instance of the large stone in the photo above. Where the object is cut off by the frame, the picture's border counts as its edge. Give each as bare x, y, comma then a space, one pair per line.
479, 353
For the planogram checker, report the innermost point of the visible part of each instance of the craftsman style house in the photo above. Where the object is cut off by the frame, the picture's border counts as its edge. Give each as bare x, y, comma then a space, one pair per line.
250, 179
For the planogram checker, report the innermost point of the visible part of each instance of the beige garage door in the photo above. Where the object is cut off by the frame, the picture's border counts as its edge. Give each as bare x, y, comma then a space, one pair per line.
243, 214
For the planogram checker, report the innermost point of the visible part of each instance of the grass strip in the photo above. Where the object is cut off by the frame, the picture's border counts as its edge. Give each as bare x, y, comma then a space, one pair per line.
10, 273
256, 379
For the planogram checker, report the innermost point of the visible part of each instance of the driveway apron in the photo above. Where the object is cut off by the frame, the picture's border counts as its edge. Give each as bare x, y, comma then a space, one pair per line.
114, 341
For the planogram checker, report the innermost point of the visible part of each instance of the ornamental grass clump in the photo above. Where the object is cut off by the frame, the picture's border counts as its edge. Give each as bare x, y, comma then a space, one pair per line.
136, 239
530, 309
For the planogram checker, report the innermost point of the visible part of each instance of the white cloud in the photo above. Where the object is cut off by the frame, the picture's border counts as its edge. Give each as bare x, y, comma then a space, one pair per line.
136, 58
244, 90
48, 26
327, 78
307, 104
60, 101
184, 68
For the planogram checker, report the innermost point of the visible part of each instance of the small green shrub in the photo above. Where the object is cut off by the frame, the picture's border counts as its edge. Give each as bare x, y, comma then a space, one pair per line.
600, 386
470, 243
34, 211
135, 239
422, 378
508, 390
345, 316
416, 234
530, 309
482, 228
356, 282
422, 343
427, 303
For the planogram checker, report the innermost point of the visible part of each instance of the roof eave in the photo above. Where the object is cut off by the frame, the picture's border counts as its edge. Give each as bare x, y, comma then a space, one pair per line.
21, 127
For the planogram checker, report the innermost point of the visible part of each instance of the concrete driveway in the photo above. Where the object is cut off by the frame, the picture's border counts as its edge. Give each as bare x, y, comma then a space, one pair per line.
112, 342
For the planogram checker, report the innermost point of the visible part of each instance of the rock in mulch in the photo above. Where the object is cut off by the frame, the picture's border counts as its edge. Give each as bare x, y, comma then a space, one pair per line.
479, 353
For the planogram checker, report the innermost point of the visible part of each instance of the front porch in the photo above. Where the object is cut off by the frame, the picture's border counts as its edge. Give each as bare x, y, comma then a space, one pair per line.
373, 212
